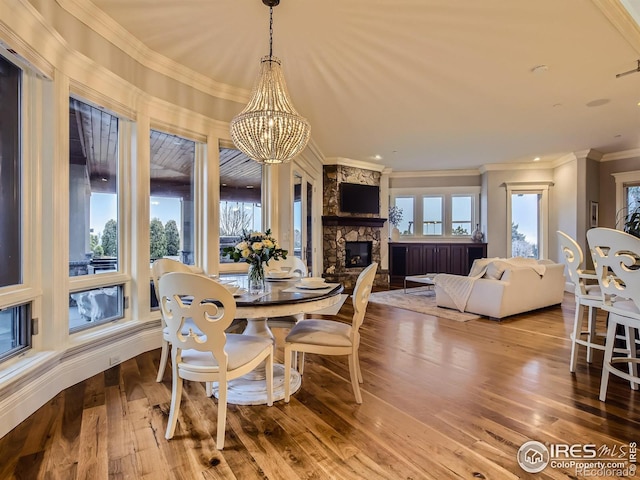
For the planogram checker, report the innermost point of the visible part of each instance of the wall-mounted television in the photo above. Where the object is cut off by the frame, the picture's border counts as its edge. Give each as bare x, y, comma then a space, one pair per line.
357, 198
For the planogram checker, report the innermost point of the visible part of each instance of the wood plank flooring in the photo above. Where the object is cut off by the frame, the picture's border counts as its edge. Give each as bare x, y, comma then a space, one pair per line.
442, 399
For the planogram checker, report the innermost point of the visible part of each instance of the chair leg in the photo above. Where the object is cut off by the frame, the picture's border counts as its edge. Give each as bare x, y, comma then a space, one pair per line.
176, 395
353, 371
591, 332
577, 326
164, 356
608, 355
300, 363
222, 412
357, 362
208, 388
287, 372
630, 336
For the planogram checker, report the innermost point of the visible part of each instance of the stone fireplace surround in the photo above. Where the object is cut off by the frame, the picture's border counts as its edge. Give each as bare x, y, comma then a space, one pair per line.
340, 227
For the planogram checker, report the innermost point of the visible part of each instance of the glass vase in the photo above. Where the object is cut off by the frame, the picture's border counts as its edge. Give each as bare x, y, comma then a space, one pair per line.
255, 278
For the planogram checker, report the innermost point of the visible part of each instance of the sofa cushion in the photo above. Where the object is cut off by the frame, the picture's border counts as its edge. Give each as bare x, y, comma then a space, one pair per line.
495, 269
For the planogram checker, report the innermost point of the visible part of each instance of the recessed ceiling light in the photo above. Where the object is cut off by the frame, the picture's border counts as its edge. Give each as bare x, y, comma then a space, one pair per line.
224, 184
249, 186
104, 179
377, 157
617, 136
537, 159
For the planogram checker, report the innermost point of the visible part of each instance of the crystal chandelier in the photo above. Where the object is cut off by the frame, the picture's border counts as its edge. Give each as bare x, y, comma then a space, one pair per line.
269, 130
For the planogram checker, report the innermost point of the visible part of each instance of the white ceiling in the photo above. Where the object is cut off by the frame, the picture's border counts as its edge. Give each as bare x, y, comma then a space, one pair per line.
425, 84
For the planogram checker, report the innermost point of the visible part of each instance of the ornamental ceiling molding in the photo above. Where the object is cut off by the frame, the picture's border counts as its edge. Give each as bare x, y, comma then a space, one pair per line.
105, 26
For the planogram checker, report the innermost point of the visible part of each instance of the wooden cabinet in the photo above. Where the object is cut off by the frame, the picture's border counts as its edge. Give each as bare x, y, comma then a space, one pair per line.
411, 258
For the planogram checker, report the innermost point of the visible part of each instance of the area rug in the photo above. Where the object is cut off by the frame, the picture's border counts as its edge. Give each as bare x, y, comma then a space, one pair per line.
421, 300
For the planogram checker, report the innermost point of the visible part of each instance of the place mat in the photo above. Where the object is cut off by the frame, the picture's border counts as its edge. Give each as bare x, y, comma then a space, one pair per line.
295, 289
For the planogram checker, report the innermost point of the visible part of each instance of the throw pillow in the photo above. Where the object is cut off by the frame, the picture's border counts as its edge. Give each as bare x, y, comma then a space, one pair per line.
495, 269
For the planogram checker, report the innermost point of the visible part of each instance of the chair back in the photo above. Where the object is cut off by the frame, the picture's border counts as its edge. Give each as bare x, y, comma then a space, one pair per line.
616, 256
573, 259
166, 265
361, 293
208, 303
295, 264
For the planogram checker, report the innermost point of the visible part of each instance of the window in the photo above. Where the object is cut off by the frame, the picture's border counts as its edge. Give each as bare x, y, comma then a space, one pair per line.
95, 250
15, 320
432, 215
524, 224
627, 195
240, 197
96, 306
442, 213
528, 219
461, 214
172, 207
93, 190
15, 331
407, 222
10, 186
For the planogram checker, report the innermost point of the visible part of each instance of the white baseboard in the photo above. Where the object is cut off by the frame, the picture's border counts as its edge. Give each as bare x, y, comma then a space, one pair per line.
62, 371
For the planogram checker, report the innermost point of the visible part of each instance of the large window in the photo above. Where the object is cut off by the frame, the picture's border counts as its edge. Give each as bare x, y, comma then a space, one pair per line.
93, 190
528, 219
15, 320
240, 197
436, 212
94, 220
525, 221
172, 206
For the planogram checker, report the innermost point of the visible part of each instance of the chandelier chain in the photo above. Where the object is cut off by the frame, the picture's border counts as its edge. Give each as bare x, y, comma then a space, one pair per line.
270, 32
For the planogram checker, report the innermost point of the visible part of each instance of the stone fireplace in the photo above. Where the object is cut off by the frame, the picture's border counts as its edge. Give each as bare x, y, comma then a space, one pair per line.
350, 241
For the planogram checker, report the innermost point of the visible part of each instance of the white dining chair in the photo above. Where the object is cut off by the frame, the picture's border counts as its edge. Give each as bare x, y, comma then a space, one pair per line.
586, 295
330, 337
208, 354
616, 256
297, 268
160, 267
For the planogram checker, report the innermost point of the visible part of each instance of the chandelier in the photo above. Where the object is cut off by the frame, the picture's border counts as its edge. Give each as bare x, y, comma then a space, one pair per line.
269, 130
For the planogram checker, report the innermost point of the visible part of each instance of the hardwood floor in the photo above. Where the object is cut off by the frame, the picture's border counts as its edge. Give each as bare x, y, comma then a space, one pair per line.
442, 399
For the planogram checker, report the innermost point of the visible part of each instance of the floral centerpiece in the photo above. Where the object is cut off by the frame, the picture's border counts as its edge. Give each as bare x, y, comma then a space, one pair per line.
255, 248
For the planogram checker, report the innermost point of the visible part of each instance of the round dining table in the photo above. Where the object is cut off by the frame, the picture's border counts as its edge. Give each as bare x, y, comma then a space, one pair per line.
282, 297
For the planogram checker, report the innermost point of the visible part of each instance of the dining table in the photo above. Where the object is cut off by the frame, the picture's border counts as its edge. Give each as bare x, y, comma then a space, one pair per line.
281, 297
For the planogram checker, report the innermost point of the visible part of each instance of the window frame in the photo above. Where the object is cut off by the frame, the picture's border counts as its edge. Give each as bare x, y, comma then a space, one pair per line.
122, 276
541, 188
623, 180
27, 294
419, 194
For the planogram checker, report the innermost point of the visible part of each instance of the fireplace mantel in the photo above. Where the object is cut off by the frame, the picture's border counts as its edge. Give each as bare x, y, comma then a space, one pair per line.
334, 220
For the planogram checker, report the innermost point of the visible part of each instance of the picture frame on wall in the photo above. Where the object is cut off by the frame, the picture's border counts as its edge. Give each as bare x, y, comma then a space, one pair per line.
594, 214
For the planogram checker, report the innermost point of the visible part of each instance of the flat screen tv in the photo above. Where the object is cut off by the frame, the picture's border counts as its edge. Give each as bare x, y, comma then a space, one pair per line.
357, 198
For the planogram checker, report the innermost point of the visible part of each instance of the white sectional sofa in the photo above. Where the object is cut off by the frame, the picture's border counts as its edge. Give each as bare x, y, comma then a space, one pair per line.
501, 287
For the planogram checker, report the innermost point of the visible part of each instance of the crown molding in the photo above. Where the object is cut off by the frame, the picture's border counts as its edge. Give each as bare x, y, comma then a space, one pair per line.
436, 173
348, 162
622, 20
634, 153
494, 167
102, 24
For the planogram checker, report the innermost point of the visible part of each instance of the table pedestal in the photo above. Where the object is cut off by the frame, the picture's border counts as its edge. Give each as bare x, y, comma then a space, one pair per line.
251, 389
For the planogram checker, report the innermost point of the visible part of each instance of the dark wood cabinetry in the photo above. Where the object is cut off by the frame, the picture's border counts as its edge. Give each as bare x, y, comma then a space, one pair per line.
420, 258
